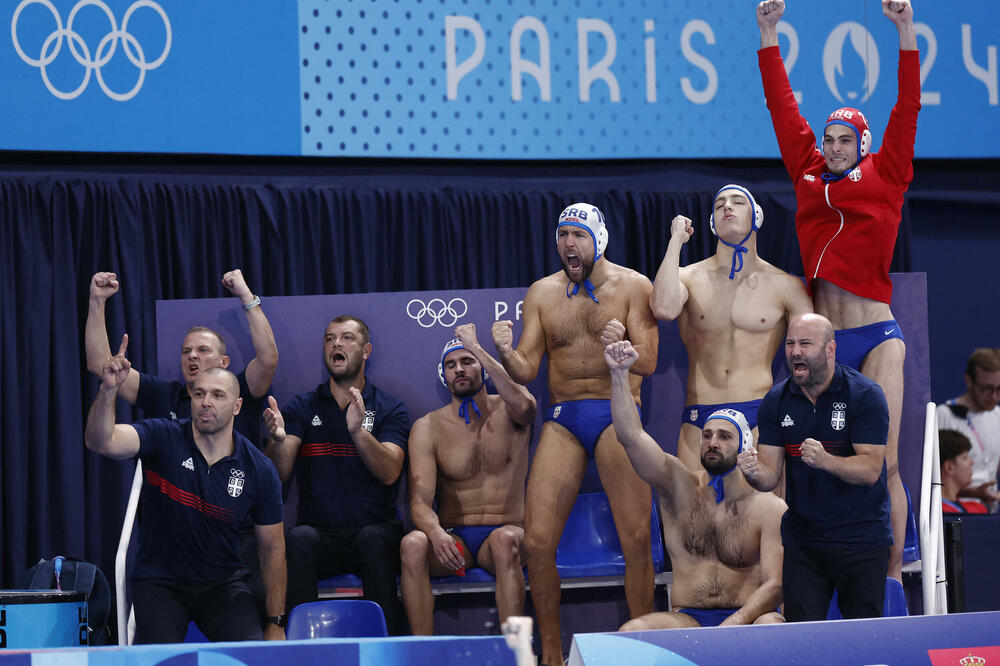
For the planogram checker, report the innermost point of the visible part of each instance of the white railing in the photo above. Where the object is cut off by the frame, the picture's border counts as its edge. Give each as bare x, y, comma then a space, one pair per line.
121, 558
932, 569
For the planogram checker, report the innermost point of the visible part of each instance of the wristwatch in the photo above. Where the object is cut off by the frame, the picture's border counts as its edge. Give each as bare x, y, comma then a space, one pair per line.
252, 304
277, 619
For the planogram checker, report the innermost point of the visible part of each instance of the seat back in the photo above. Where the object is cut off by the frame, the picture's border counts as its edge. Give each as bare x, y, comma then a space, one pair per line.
894, 604
333, 618
589, 545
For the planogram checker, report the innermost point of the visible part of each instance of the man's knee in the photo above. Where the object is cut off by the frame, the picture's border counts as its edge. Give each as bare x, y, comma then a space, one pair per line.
770, 618
301, 545
377, 541
413, 550
505, 545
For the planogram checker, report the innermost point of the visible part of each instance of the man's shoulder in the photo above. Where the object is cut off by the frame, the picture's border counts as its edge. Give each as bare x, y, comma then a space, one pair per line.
626, 275
767, 504
854, 380
385, 399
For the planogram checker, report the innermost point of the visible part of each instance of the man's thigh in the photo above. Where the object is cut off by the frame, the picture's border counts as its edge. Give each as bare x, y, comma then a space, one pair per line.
161, 616
318, 549
806, 586
553, 484
378, 544
227, 613
860, 581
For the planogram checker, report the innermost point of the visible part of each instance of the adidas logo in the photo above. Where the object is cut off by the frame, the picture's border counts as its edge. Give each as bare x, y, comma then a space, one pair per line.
188, 464
316, 421
788, 422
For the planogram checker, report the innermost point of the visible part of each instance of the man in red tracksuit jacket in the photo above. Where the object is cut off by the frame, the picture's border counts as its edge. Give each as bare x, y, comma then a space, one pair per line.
849, 202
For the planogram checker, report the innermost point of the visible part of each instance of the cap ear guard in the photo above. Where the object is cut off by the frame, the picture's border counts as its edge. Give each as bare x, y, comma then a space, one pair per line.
866, 143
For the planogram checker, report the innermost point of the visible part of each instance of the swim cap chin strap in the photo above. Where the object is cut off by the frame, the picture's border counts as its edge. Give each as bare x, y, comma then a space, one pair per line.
463, 409
718, 484
589, 287
738, 252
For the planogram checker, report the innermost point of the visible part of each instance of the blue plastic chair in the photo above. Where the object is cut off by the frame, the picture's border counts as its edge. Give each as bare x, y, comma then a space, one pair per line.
336, 618
893, 606
194, 634
589, 545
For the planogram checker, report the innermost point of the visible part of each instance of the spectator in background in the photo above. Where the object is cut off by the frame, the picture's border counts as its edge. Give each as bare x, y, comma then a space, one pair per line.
976, 415
956, 472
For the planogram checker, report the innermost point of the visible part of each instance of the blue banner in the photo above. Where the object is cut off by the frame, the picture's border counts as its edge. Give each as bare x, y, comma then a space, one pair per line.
525, 79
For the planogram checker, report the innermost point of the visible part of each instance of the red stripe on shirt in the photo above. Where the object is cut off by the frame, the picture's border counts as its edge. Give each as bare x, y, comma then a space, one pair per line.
188, 499
795, 450
327, 449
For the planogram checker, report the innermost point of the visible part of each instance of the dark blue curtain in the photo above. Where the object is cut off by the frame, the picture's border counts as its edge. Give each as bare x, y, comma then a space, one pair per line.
171, 229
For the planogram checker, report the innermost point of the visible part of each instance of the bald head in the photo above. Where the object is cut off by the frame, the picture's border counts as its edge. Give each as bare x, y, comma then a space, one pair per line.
818, 326
811, 352
228, 377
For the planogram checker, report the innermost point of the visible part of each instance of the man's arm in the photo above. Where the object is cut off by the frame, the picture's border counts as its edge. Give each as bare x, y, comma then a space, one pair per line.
769, 13
520, 404
101, 435
641, 327
669, 291
281, 447
423, 484
103, 285
762, 465
260, 370
894, 160
861, 469
273, 573
522, 363
797, 301
383, 459
655, 466
767, 596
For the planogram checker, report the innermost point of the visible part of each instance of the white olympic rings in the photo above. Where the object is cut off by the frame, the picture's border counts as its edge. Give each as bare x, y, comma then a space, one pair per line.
436, 311
81, 52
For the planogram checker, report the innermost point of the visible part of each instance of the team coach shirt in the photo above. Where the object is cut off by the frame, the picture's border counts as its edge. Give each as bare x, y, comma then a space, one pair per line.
823, 510
190, 511
336, 489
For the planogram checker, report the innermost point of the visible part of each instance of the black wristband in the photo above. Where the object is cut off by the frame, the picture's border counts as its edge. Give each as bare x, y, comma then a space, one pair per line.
278, 620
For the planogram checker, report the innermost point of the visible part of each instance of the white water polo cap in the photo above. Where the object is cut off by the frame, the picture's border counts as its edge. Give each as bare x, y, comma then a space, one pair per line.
742, 426
589, 217
756, 221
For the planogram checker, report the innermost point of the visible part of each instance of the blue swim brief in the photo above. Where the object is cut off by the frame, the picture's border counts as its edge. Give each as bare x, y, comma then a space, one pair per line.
696, 415
474, 536
586, 419
708, 617
853, 344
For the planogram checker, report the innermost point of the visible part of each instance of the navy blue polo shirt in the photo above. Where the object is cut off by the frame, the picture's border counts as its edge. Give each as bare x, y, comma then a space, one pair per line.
191, 512
162, 399
336, 489
823, 510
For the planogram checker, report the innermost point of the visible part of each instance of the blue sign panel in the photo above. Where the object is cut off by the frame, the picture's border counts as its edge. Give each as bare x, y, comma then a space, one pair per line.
535, 79
150, 76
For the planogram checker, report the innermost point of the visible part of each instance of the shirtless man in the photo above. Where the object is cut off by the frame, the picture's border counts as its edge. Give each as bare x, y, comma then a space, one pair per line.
473, 453
731, 310
572, 315
723, 537
849, 210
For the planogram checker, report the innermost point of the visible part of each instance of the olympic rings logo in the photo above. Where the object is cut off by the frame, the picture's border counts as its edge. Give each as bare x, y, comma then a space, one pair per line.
102, 55
436, 311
